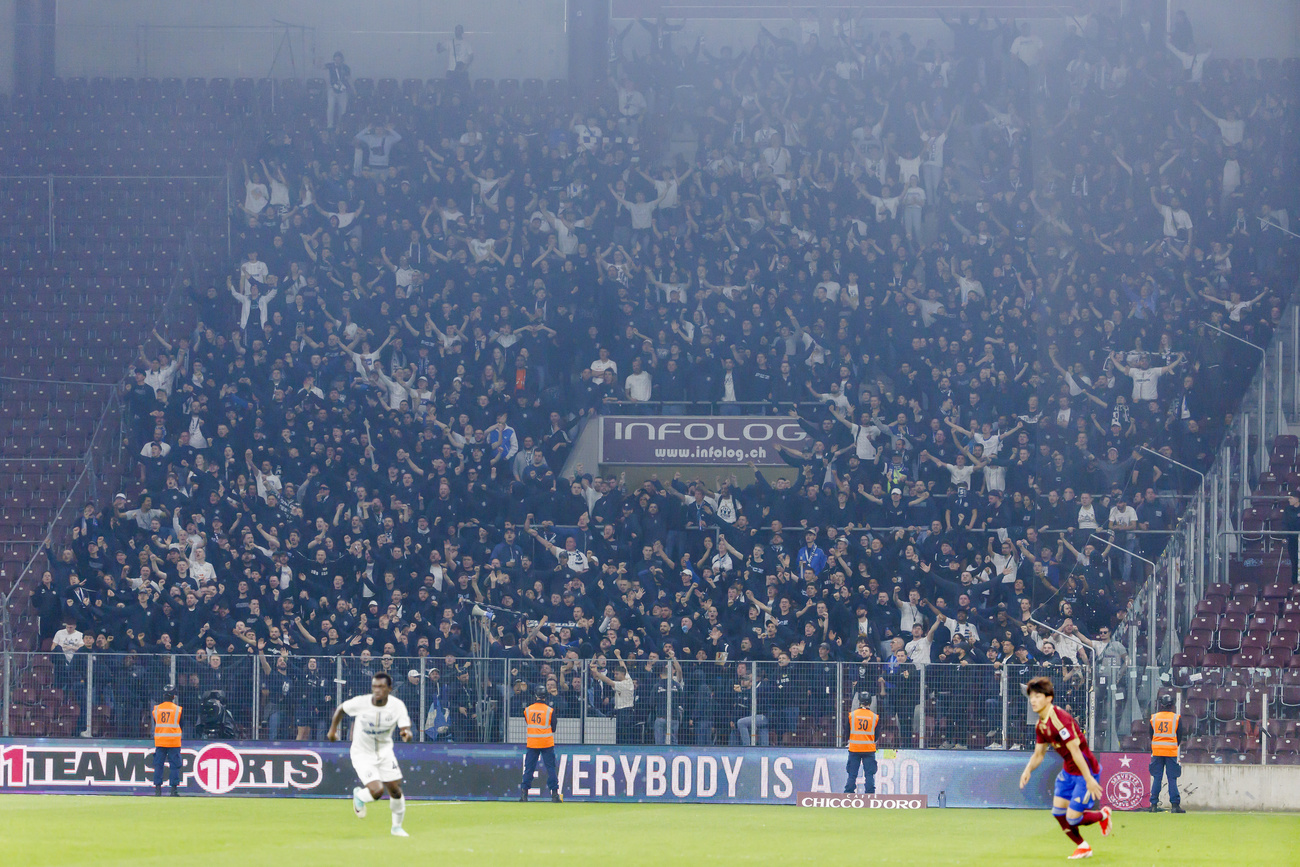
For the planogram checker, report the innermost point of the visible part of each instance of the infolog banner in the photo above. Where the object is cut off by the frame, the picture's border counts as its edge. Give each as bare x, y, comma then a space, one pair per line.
596, 773
693, 440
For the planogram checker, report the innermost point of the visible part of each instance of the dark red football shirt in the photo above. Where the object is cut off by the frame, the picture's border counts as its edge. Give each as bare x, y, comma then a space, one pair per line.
1059, 729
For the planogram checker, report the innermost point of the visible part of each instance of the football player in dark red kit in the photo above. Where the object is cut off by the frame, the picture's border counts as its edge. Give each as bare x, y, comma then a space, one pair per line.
1078, 791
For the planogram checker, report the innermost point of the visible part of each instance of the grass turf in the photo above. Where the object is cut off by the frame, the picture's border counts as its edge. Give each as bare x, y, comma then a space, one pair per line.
167, 832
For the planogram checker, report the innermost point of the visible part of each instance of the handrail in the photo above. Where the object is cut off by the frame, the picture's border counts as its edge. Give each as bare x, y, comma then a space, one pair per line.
59, 177
87, 459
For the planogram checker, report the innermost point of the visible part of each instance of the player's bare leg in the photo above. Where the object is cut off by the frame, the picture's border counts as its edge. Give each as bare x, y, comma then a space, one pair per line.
397, 804
362, 795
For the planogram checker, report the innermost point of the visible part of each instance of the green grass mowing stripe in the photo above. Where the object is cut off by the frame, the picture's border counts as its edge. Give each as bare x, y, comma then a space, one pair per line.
166, 832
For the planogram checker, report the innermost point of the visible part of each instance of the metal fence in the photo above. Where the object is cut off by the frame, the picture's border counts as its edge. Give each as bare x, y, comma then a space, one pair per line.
100, 464
1231, 715
1220, 538
673, 702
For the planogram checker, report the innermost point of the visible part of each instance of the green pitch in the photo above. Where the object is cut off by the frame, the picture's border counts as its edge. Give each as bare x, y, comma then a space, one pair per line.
167, 832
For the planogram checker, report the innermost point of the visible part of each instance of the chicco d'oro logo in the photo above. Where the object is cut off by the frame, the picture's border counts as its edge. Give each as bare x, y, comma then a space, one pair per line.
1125, 790
217, 769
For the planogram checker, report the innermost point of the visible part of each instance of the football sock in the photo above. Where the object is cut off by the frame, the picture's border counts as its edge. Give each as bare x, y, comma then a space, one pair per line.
1091, 817
364, 794
398, 806
1070, 831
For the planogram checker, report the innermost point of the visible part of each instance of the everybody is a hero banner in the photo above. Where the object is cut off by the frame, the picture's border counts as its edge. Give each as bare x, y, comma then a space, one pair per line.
595, 773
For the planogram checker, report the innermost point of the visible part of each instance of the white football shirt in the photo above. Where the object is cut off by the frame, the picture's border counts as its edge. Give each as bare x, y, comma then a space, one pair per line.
372, 728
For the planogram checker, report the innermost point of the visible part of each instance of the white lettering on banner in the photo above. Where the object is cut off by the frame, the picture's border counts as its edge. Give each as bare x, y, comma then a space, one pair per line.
784, 788
898, 776
604, 776
703, 430
579, 775
885, 776
909, 777
707, 769
732, 772
762, 779
656, 776
707, 428
781, 433
215, 768
713, 452
681, 776
561, 773
1125, 790
862, 802
629, 772
821, 777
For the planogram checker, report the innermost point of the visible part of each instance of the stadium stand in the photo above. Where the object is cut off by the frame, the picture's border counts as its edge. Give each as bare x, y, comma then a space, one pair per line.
980, 284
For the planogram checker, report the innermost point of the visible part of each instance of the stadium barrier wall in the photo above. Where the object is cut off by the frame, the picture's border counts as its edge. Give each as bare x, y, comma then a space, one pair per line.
953, 778
1240, 787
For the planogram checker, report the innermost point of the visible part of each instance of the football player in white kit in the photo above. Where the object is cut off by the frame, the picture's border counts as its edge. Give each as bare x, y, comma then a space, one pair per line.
376, 715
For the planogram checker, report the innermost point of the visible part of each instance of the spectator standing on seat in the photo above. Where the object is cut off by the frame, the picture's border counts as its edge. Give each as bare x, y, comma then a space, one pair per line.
540, 718
67, 641
338, 86
624, 699
167, 741
1291, 523
862, 746
460, 54
1165, 739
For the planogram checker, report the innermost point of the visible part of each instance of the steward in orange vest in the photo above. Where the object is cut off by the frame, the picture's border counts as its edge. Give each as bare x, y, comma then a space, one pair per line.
540, 719
862, 746
167, 741
1165, 738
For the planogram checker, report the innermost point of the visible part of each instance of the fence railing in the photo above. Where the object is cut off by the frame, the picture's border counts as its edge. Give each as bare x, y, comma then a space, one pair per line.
942, 705
103, 452
1212, 534
1232, 715
63, 202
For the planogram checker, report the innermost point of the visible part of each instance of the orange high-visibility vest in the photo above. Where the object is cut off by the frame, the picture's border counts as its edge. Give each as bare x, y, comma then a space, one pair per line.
540, 734
167, 724
1164, 737
862, 730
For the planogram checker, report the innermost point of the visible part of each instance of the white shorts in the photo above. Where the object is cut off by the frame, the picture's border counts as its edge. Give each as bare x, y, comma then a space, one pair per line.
376, 768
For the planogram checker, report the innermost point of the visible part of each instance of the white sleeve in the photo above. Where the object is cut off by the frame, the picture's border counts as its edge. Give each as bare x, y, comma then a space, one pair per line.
353, 706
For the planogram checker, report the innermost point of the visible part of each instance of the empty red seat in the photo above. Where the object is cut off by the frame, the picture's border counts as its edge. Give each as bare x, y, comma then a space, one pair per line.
1284, 641
1233, 620
1237, 605
1247, 657
1226, 701
1211, 606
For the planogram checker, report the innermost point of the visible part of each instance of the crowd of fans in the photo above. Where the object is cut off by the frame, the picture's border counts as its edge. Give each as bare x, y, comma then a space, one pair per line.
983, 278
